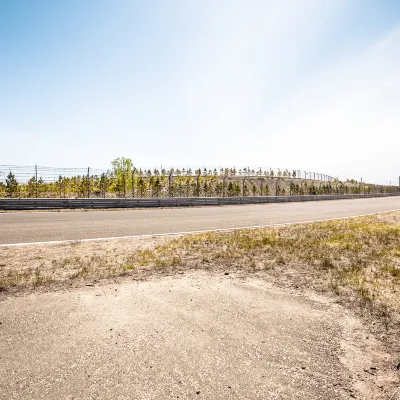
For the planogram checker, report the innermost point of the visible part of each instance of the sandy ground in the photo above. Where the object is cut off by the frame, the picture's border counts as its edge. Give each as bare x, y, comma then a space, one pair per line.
187, 336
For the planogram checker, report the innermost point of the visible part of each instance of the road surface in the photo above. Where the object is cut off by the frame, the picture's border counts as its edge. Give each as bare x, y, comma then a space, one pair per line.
27, 227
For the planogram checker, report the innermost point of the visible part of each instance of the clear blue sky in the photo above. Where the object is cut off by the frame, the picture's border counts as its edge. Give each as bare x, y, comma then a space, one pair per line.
304, 84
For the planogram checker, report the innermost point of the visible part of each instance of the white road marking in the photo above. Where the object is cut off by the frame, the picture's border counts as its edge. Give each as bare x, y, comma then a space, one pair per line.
190, 232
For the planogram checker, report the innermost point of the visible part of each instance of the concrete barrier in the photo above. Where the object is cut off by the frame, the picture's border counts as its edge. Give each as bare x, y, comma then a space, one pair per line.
55, 204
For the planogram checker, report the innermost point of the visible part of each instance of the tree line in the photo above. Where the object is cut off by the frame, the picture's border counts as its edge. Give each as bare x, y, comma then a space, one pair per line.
124, 180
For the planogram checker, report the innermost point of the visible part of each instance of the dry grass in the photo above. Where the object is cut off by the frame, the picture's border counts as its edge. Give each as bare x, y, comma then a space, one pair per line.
358, 259
31, 266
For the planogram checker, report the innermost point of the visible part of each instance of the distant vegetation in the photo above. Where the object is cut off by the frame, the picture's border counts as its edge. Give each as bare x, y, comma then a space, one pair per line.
125, 180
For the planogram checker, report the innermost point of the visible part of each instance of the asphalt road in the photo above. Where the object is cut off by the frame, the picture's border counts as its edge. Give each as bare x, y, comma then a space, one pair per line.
27, 227
193, 337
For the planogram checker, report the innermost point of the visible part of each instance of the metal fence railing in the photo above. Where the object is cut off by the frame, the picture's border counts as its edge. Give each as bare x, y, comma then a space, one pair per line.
46, 182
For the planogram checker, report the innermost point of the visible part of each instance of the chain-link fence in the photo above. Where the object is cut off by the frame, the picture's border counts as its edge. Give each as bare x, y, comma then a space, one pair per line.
46, 182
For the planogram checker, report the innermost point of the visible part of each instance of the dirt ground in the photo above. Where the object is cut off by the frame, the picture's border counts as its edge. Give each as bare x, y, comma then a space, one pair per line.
195, 335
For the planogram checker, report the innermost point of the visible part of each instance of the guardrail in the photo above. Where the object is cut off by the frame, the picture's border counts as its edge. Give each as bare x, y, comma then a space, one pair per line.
55, 204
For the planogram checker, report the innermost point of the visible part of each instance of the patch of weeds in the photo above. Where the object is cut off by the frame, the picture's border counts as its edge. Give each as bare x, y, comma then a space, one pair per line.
82, 272
280, 260
175, 261
39, 279
326, 263
334, 285
144, 257
128, 267
66, 261
393, 270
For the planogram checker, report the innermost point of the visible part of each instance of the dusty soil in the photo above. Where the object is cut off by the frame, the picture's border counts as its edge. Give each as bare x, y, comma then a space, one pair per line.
189, 336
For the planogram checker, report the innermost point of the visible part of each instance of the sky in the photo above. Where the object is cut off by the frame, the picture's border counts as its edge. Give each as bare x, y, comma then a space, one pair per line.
304, 84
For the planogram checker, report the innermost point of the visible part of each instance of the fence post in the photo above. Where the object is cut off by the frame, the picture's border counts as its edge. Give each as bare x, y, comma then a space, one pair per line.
224, 188
88, 180
123, 175
276, 185
36, 182
198, 189
133, 183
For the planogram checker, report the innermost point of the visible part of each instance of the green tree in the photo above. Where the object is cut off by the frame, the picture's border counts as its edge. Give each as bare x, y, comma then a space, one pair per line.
219, 189
121, 165
11, 185
2, 189
141, 185
122, 173
103, 184
31, 187
156, 186
206, 188
230, 189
